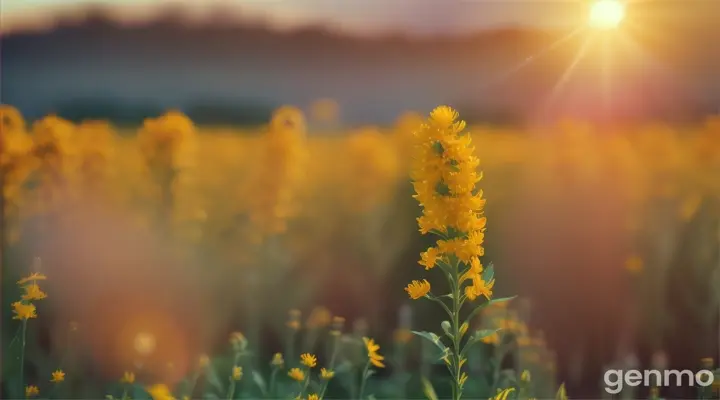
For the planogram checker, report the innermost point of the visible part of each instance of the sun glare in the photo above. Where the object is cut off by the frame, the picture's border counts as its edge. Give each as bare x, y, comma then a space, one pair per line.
607, 14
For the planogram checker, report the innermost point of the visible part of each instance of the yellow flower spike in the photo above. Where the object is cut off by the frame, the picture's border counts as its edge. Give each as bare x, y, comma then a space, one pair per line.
373, 355
58, 376
24, 311
503, 394
35, 276
32, 391
417, 289
33, 292
277, 360
309, 360
296, 374
326, 374
160, 392
237, 373
128, 378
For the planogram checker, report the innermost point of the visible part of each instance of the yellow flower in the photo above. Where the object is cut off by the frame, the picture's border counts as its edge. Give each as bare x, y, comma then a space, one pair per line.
503, 395
463, 328
33, 292
35, 276
491, 339
326, 374
203, 361
277, 360
237, 373
296, 374
308, 360
337, 325
58, 376
479, 288
24, 311
525, 376
313, 396
238, 341
429, 258
634, 265
417, 289
463, 378
319, 317
160, 392
31, 391
373, 355
402, 335
128, 377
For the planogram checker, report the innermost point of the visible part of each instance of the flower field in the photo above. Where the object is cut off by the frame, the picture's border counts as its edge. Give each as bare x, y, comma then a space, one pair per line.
179, 261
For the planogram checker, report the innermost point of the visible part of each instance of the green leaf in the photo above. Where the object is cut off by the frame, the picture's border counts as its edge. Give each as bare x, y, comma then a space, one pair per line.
479, 307
433, 338
561, 393
371, 397
488, 273
258, 379
478, 336
428, 389
213, 380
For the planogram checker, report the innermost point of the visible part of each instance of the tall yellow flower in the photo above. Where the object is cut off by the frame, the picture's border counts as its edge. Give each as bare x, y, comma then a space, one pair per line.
445, 177
373, 355
326, 374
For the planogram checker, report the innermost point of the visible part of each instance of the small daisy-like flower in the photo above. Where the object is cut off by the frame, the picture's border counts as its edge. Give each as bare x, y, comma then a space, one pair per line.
296, 374
24, 311
35, 276
58, 376
326, 374
237, 373
313, 396
308, 360
33, 292
429, 258
417, 289
375, 357
160, 392
128, 377
31, 391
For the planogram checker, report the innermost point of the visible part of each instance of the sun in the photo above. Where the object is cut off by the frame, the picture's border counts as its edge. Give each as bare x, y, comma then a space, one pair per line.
607, 14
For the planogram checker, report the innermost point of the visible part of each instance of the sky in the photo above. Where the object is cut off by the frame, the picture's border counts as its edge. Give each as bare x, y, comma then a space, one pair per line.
360, 16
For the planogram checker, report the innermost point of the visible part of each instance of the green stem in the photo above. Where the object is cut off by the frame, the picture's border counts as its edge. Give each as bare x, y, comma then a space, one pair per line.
124, 395
331, 366
22, 354
455, 362
231, 389
271, 387
364, 380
